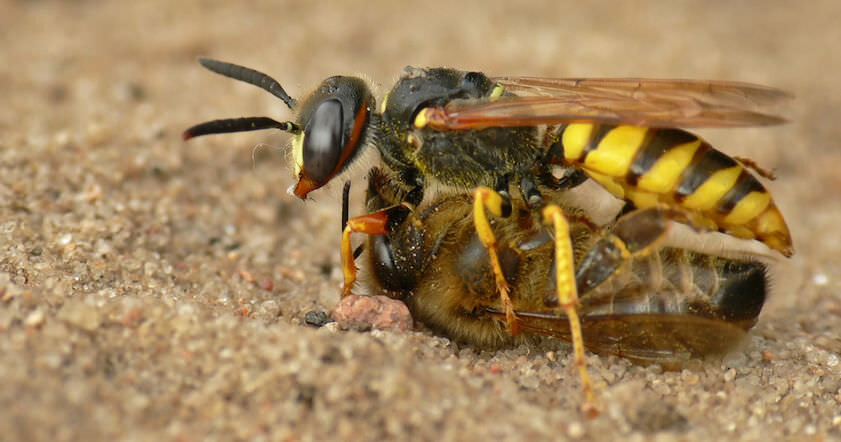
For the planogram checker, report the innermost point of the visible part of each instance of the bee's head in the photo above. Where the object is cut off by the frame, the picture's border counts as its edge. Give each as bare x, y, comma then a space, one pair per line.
329, 128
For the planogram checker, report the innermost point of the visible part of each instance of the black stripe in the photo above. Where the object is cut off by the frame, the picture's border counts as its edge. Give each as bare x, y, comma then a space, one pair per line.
743, 186
596, 136
704, 164
657, 143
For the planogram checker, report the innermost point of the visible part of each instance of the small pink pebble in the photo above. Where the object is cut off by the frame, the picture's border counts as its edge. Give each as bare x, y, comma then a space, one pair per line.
380, 312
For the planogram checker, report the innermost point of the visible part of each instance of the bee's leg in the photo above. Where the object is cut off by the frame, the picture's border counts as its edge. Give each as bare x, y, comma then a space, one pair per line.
636, 234
498, 204
568, 296
376, 223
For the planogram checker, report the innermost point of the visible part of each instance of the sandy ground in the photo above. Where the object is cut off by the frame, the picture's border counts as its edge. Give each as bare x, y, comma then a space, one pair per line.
155, 290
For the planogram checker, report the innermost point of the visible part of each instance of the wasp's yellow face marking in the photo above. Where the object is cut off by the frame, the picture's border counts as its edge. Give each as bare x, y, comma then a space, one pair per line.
575, 139
663, 176
707, 196
298, 153
748, 207
614, 153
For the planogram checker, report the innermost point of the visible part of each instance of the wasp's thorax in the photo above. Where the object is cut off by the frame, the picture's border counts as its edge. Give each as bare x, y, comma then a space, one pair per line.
334, 120
462, 159
419, 88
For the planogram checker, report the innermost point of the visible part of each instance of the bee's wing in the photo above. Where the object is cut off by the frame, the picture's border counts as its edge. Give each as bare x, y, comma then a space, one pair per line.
644, 102
643, 338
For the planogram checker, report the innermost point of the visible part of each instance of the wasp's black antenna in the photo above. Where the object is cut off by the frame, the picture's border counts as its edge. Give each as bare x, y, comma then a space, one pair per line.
239, 125
251, 76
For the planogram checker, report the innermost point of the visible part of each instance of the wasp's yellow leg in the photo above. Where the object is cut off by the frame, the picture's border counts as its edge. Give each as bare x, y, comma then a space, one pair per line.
486, 199
568, 297
372, 224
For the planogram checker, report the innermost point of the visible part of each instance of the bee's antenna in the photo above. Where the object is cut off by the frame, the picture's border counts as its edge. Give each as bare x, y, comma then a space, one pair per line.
251, 76
239, 125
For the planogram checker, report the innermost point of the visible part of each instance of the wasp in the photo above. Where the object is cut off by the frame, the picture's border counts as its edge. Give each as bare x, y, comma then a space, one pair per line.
482, 136
637, 297
445, 128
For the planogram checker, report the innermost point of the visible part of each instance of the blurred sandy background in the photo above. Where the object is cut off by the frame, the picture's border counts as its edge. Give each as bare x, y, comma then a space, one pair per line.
155, 290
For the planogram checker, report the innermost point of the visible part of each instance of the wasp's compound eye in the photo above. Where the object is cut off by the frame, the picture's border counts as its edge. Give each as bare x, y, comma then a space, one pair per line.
323, 141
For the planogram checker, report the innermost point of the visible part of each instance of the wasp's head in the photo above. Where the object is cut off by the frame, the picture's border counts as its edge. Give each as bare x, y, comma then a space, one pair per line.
329, 128
333, 121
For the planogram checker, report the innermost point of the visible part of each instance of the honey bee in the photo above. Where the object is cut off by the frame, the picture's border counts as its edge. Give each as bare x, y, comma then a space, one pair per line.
655, 304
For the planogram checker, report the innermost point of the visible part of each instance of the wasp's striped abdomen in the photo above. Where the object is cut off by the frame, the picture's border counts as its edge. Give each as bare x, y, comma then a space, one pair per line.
673, 168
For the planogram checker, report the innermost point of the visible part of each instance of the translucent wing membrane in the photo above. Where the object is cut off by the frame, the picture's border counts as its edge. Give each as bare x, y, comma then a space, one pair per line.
643, 102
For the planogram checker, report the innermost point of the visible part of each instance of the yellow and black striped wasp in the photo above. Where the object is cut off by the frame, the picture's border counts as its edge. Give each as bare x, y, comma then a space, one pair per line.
467, 132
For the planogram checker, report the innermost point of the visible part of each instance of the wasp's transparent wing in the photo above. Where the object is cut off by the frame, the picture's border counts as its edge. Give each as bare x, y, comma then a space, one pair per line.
645, 102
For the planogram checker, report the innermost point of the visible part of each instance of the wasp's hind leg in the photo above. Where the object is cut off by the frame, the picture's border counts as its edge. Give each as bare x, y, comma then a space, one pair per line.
498, 202
567, 293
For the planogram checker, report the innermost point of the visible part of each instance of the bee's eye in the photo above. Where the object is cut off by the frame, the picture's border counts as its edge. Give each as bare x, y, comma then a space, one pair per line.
323, 144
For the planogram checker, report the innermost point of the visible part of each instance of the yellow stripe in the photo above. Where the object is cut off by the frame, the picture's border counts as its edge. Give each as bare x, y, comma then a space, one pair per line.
770, 222
748, 207
707, 196
741, 232
663, 176
642, 199
608, 183
772, 230
575, 139
614, 154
